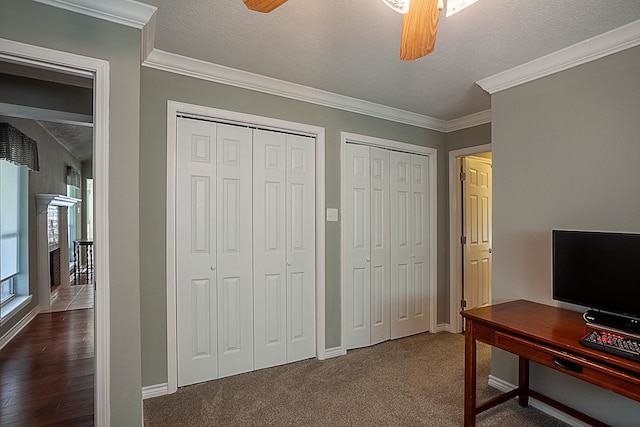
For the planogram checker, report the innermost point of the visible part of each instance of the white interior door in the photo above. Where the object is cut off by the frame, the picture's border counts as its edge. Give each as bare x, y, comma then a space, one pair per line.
214, 244
357, 216
419, 219
270, 251
301, 243
401, 245
235, 250
196, 222
477, 231
409, 244
380, 247
284, 248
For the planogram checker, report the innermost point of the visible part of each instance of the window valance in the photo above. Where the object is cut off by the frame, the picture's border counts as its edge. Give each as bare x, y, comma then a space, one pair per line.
18, 148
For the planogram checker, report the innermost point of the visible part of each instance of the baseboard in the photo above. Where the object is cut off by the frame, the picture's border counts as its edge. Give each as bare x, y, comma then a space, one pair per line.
157, 390
15, 329
332, 352
504, 387
443, 327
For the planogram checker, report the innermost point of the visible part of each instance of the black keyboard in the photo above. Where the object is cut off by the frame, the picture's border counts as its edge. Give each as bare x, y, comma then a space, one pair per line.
613, 343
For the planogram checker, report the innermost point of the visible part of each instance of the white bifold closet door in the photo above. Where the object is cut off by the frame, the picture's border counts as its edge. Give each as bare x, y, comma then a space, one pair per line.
245, 245
386, 251
284, 248
214, 251
409, 244
368, 254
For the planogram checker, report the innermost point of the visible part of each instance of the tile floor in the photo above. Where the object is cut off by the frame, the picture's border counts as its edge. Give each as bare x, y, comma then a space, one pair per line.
72, 297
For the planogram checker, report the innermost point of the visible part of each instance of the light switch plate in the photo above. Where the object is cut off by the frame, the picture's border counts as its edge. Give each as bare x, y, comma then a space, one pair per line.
332, 215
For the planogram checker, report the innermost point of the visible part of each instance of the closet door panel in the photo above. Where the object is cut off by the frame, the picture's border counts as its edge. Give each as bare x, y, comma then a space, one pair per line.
196, 252
357, 232
420, 244
270, 272
380, 244
301, 243
401, 245
234, 250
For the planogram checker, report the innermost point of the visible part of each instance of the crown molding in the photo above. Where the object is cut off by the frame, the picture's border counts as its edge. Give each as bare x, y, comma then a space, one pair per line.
125, 12
195, 68
613, 41
471, 120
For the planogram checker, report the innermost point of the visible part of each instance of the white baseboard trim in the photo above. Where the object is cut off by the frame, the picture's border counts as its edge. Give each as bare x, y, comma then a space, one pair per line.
157, 390
4, 340
504, 386
443, 327
332, 352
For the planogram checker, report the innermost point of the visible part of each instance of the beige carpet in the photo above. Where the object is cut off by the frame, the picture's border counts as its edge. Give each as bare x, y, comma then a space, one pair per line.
414, 381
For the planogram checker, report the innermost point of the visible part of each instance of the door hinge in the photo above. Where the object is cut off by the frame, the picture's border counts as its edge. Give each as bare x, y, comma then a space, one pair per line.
463, 176
463, 303
463, 240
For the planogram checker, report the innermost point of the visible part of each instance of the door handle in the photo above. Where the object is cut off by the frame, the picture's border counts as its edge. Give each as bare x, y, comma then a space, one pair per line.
213, 268
568, 365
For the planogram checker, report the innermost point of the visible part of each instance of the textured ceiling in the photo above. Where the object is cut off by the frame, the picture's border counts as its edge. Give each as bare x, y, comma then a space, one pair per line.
77, 139
352, 47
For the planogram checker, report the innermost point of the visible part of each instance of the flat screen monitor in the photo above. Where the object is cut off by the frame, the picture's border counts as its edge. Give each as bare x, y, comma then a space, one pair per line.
598, 270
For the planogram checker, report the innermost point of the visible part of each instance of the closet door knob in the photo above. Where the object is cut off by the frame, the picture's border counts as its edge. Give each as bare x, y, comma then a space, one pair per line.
213, 268
289, 263
367, 259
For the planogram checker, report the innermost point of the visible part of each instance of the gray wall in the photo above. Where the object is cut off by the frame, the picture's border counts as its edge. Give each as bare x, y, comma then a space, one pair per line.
54, 28
469, 137
40, 94
566, 150
156, 88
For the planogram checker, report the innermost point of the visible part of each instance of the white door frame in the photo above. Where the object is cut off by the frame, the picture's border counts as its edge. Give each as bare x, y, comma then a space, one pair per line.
173, 109
432, 154
455, 231
98, 69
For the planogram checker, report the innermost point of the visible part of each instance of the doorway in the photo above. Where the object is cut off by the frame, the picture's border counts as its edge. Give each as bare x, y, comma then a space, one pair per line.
456, 238
71, 65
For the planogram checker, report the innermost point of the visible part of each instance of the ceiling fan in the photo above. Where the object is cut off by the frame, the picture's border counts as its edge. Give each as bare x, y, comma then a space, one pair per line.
419, 25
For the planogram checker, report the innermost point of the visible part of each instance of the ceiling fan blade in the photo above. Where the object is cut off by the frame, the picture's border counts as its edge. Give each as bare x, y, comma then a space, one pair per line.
263, 6
419, 28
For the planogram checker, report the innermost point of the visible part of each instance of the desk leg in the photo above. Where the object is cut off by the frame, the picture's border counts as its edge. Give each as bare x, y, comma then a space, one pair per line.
469, 375
523, 381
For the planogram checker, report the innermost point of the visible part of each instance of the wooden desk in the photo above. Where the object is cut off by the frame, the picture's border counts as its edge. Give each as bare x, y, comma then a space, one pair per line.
549, 336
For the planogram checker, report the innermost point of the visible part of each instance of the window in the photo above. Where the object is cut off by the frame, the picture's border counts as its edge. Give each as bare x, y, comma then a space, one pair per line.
14, 281
6, 290
73, 213
53, 227
89, 204
9, 226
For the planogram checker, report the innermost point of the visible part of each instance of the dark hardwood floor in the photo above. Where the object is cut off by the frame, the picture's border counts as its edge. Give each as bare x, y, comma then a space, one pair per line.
47, 372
